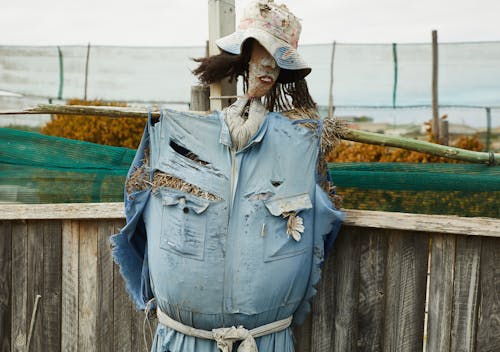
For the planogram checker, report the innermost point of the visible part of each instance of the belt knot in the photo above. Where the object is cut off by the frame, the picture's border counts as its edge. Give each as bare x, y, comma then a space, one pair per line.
225, 337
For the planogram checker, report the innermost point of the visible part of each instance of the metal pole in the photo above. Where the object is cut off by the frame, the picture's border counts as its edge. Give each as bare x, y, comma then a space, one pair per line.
86, 72
395, 86
435, 103
488, 129
331, 108
61, 73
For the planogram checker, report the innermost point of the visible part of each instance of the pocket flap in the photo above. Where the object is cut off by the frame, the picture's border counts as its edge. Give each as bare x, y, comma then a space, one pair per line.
185, 200
278, 206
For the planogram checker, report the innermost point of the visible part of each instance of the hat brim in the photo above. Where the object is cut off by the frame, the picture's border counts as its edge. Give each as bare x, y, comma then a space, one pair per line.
292, 66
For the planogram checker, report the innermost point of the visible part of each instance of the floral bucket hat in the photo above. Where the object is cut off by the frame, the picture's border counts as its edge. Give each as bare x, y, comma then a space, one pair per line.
277, 30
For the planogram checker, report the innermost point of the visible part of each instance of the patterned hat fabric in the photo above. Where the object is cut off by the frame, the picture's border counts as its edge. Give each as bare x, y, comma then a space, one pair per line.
277, 30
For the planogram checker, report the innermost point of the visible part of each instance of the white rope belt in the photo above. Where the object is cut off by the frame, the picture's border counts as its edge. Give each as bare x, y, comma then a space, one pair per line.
225, 337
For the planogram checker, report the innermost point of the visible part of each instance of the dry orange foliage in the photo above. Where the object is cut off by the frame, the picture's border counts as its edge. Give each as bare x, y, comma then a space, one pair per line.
361, 152
120, 132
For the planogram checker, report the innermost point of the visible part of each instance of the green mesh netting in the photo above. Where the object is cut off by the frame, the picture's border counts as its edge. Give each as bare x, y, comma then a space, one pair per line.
458, 189
40, 169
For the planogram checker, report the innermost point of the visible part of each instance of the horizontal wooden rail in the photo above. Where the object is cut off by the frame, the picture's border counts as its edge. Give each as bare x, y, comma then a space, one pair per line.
350, 134
473, 226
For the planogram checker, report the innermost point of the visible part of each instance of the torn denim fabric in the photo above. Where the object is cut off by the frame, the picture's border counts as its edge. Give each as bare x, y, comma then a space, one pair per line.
227, 260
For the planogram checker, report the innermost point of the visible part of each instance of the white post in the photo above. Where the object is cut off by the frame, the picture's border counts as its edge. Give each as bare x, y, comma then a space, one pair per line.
221, 22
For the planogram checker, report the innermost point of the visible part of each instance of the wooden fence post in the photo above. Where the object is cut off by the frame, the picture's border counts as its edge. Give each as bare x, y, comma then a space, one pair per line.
221, 22
444, 137
200, 98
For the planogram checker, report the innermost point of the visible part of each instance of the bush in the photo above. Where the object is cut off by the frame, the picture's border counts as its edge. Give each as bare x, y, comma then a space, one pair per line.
119, 132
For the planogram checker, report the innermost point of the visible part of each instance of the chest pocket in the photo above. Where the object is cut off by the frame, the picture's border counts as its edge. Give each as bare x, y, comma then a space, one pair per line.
184, 222
278, 244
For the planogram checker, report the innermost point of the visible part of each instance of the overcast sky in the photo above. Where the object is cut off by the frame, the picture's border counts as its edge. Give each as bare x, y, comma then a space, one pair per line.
185, 23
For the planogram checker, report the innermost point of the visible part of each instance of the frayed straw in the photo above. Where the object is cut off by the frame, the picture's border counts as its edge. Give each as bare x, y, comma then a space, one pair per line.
302, 113
333, 131
139, 181
139, 178
162, 179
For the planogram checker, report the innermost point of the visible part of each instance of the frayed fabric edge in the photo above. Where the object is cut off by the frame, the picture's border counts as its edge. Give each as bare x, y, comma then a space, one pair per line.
129, 268
330, 228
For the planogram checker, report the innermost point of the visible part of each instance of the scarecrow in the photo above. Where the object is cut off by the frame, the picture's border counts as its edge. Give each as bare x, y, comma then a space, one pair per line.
227, 223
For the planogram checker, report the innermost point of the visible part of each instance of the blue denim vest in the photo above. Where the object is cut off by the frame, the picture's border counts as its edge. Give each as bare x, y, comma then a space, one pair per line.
229, 261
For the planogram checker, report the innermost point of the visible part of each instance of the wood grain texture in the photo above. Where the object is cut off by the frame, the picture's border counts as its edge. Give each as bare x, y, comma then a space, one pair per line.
371, 297
323, 310
373, 258
69, 299
346, 258
136, 329
121, 311
466, 294
52, 255
423, 223
35, 283
5, 285
87, 287
62, 211
303, 335
19, 332
361, 218
405, 291
488, 332
105, 286
440, 306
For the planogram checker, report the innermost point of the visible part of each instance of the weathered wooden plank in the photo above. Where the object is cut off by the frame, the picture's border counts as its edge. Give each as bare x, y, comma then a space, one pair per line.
87, 287
440, 306
323, 310
5, 285
62, 211
361, 218
406, 279
105, 286
488, 332
346, 258
52, 255
465, 298
373, 258
69, 299
303, 335
35, 283
423, 223
121, 313
136, 331
19, 285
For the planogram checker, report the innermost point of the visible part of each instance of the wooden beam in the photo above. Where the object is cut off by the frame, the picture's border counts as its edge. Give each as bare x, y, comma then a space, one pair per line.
421, 146
221, 22
349, 134
423, 222
473, 226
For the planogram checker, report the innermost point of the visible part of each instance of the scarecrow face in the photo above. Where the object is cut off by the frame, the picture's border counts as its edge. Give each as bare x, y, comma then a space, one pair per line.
262, 71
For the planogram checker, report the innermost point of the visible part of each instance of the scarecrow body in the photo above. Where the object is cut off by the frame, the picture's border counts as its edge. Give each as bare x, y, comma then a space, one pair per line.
234, 240
227, 261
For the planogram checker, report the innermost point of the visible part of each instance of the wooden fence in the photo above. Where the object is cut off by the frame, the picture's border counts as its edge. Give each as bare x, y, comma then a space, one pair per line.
372, 297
